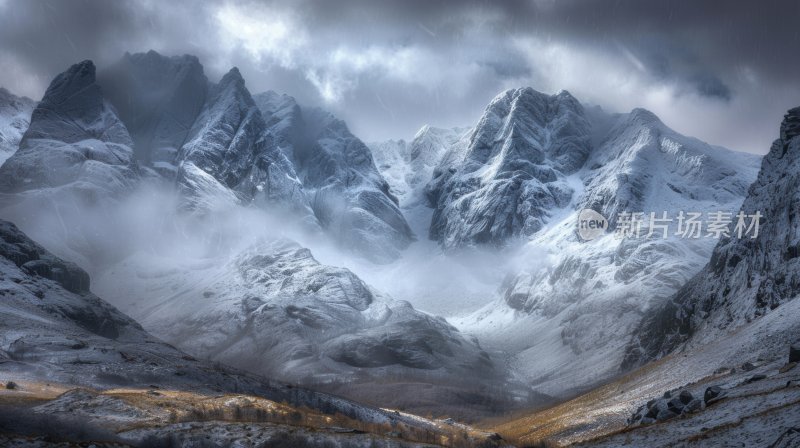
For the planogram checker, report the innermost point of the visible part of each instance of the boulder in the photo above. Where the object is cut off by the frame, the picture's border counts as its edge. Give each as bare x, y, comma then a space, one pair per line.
712, 394
755, 378
794, 352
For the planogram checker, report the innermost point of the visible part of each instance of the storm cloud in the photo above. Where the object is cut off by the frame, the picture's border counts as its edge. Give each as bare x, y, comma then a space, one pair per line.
722, 71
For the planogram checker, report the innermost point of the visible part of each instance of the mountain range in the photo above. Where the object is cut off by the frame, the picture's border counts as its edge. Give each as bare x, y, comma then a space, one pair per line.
238, 229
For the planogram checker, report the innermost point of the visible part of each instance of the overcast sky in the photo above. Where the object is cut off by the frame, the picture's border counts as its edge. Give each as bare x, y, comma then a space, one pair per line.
722, 71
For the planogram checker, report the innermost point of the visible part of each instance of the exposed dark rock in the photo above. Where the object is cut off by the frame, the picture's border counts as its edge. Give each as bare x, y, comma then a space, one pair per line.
794, 352
713, 393
755, 378
669, 406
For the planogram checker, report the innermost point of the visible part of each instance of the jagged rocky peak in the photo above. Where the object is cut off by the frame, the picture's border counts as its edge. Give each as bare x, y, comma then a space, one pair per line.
529, 126
284, 119
73, 109
74, 137
746, 277
230, 154
158, 97
511, 173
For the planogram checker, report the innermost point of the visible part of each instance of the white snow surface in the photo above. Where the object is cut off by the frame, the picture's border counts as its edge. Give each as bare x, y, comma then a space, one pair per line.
15, 116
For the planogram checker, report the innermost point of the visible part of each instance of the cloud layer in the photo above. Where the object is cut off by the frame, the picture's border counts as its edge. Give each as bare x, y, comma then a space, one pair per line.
721, 71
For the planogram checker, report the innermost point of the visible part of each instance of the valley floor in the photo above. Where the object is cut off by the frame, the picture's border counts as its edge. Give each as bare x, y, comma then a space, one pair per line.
42, 414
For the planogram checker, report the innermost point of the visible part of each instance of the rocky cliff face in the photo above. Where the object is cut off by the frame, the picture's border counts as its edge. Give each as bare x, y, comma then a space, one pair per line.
349, 196
511, 174
75, 141
230, 154
746, 277
158, 98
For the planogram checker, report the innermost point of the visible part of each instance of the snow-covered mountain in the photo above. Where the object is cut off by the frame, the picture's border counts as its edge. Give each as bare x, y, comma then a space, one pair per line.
75, 142
408, 166
745, 277
349, 196
15, 116
274, 309
70, 350
221, 144
512, 172
228, 151
222, 295
568, 313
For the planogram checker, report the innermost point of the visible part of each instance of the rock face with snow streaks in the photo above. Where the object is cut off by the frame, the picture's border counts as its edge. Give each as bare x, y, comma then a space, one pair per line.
745, 277
229, 144
511, 172
349, 196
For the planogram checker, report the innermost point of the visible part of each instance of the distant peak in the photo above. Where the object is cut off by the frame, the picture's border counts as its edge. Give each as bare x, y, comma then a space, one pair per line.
83, 68
422, 131
644, 116
233, 76
154, 58
74, 79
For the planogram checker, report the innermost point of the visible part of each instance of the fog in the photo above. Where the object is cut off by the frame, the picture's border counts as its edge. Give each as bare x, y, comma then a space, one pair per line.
152, 226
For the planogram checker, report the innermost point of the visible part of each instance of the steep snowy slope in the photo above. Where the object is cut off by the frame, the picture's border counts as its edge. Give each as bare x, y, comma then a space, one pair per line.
15, 116
511, 174
54, 327
75, 142
746, 277
349, 196
568, 314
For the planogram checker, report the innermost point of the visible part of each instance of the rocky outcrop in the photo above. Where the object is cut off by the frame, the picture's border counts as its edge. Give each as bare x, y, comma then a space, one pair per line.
37, 281
671, 405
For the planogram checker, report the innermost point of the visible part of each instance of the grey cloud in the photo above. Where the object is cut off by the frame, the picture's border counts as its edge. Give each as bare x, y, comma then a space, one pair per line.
737, 56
